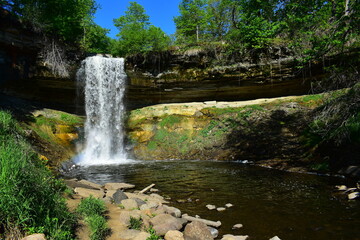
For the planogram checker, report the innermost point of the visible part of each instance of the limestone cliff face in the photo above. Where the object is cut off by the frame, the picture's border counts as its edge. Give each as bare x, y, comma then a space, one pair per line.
253, 130
197, 75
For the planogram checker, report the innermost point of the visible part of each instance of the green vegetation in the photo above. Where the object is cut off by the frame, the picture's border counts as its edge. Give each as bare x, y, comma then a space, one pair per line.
136, 34
153, 235
338, 121
135, 223
30, 197
310, 29
92, 210
69, 21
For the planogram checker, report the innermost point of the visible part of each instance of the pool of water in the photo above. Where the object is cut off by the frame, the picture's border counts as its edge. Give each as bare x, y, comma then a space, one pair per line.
267, 202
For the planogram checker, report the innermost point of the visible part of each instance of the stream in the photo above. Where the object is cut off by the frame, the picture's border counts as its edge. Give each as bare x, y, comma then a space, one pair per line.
267, 202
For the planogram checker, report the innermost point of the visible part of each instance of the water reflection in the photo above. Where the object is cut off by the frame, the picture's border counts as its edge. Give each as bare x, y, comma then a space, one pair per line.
267, 202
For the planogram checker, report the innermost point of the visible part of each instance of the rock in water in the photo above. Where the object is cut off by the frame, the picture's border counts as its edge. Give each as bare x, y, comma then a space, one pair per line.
353, 195
211, 207
220, 209
197, 231
275, 238
229, 205
232, 237
237, 226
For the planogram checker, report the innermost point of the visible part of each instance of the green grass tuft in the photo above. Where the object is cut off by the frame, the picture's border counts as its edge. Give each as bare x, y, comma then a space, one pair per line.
92, 210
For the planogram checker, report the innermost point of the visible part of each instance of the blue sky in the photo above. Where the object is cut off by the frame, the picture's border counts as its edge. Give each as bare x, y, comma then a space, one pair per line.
161, 13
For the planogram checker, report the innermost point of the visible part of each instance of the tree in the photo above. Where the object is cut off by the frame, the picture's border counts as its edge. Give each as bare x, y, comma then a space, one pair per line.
191, 25
136, 34
71, 21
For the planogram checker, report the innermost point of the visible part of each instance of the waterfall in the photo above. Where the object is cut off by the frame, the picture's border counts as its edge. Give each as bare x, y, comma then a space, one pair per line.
103, 80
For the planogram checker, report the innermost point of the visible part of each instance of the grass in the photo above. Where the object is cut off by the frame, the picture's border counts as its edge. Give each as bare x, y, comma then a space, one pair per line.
30, 197
153, 235
135, 223
92, 210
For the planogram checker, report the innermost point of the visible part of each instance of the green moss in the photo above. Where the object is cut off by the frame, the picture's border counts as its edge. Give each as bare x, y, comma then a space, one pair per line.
70, 119
152, 145
161, 135
170, 120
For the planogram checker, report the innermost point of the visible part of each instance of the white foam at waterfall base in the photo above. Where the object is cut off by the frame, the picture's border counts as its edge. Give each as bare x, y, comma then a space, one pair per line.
103, 80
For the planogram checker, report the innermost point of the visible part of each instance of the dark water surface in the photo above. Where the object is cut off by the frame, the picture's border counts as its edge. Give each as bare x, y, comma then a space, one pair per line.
267, 202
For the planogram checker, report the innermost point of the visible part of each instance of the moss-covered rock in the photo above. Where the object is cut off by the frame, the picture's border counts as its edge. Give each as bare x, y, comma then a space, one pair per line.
260, 129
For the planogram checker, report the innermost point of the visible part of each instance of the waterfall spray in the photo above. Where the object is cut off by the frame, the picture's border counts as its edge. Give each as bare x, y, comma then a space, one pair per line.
104, 85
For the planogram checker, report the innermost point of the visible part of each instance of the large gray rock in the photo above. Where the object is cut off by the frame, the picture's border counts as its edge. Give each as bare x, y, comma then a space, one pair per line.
172, 211
139, 201
116, 186
197, 231
85, 192
129, 204
163, 223
129, 234
174, 235
118, 196
36, 236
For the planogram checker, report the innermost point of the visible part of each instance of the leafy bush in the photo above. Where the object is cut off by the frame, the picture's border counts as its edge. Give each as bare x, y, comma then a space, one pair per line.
30, 197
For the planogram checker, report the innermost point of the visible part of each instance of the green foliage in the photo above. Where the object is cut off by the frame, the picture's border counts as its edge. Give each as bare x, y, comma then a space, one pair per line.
311, 29
30, 197
153, 235
91, 206
66, 20
98, 227
92, 210
135, 223
136, 34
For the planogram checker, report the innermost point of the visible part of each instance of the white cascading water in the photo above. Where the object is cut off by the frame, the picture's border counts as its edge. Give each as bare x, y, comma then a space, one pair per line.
103, 80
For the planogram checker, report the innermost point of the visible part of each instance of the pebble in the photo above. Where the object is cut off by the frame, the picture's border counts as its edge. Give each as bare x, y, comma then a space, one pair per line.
275, 238
229, 205
211, 207
220, 209
237, 226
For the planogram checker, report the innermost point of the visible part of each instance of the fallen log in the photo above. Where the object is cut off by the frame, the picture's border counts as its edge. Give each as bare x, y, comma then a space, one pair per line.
207, 222
147, 188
